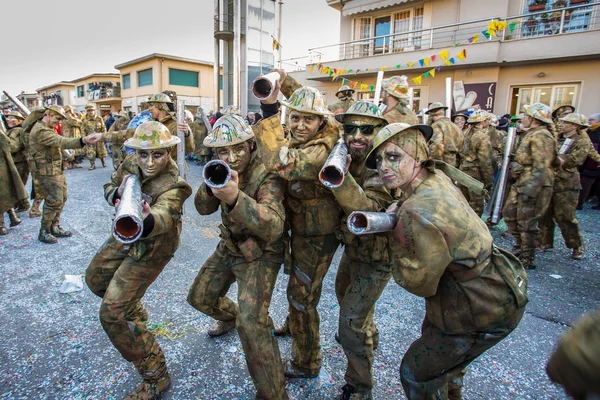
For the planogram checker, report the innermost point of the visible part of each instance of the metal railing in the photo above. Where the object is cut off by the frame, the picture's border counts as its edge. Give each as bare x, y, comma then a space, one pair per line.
224, 23
580, 18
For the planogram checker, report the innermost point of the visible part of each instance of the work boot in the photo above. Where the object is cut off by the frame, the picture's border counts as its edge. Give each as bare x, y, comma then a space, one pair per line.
544, 247
57, 231
577, 252
153, 369
92, 165
349, 393
47, 237
14, 220
3, 230
292, 371
103, 163
74, 165
35, 212
23, 206
528, 261
283, 329
219, 328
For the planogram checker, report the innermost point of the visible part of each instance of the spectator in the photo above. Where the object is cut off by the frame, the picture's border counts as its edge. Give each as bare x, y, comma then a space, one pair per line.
250, 118
109, 121
215, 118
257, 117
591, 167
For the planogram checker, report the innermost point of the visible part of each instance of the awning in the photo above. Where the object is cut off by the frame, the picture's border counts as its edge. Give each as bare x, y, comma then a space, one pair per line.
358, 6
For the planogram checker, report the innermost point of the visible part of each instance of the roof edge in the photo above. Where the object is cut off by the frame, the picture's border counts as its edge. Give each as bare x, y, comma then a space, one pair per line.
161, 55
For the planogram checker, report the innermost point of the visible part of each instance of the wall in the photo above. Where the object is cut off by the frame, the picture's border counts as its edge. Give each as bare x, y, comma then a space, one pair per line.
135, 90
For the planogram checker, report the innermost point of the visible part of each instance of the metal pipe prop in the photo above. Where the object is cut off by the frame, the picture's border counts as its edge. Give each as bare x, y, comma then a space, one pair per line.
128, 224
500, 189
263, 86
334, 170
181, 145
216, 174
18, 103
566, 146
367, 222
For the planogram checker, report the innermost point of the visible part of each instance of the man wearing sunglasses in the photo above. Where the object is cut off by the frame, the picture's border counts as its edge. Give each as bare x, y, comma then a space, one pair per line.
396, 97
364, 259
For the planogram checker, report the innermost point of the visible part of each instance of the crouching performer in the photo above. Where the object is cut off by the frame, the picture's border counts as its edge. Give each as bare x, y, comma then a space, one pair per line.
475, 292
121, 273
250, 251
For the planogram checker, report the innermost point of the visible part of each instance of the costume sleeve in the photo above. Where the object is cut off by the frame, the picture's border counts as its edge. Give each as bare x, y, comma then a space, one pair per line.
206, 203
371, 197
50, 138
167, 209
289, 86
118, 136
190, 145
263, 217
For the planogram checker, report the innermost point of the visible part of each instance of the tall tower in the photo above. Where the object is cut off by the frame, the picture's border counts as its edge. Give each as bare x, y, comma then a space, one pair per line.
244, 31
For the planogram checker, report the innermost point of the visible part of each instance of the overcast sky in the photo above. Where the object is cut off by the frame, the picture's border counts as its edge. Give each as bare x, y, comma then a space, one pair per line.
51, 41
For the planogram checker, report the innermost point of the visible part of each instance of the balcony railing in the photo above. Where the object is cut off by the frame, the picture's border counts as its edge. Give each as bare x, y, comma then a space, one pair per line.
580, 18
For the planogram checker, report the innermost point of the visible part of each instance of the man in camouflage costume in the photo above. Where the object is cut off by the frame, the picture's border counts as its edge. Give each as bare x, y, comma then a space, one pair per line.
447, 140
477, 158
45, 147
116, 147
121, 273
475, 293
312, 211
396, 97
71, 128
364, 259
91, 124
36, 114
567, 185
15, 133
12, 190
561, 111
345, 100
530, 195
496, 140
250, 252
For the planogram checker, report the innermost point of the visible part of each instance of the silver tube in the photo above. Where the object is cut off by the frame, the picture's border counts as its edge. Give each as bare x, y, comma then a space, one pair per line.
216, 174
128, 224
367, 222
497, 198
566, 146
263, 86
181, 135
334, 170
18, 103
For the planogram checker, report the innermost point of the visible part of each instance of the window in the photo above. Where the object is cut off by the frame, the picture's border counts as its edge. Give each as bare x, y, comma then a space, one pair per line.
80, 91
127, 81
145, 77
180, 77
220, 82
551, 95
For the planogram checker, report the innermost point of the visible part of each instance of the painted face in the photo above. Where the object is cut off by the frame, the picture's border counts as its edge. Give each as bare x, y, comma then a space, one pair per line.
12, 121
359, 139
396, 167
152, 162
53, 120
237, 156
526, 121
460, 121
304, 125
91, 113
567, 127
153, 108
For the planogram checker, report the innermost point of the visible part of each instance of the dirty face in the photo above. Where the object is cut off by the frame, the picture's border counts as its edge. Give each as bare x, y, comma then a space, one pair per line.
12, 121
53, 120
460, 121
152, 162
304, 125
359, 139
154, 110
238, 156
91, 113
396, 167
567, 128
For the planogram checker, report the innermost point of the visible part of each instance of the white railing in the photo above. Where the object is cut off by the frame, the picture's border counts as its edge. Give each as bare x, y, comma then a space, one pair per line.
580, 18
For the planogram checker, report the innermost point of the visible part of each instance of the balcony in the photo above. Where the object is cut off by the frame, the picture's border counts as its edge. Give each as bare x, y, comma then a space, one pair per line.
528, 36
104, 93
224, 27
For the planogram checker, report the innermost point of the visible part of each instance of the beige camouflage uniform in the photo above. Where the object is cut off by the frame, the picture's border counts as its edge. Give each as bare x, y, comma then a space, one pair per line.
116, 147
446, 142
97, 150
19, 156
12, 190
477, 163
401, 113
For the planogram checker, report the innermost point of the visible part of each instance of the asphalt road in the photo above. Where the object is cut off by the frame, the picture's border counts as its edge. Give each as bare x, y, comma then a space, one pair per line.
52, 345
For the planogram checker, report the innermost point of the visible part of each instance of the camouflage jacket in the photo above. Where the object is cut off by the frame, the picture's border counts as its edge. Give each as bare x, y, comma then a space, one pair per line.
496, 141
71, 128
567, 175
253, 228
17, 148
442, 251
446, 142
11, 190
199, 131
166, 194
89, 126
400, 113
362, 190
340, 106
45, 146
533, 161
477, 153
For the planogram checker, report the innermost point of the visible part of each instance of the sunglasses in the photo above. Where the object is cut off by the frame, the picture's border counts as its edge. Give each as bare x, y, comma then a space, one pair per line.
365, 130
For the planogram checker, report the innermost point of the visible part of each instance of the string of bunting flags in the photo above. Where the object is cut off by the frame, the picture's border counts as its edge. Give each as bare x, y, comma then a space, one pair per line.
494, 28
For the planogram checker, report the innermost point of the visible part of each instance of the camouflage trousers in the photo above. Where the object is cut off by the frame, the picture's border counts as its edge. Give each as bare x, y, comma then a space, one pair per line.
256, 281
35, 187
118, 154
476, 200
358, 286
121, 281
311, 257
96, 151
23, 170
52, 188
562, 211
434, 365
522, 215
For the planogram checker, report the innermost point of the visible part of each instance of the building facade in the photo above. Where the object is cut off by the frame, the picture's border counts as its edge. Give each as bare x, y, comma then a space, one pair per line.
103, 90
541, 51
59, 94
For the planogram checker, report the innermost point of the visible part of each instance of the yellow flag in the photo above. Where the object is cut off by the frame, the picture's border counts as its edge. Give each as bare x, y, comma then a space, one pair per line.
410, 64
432, 73
310, 68
475, 39
417, 80
426, 60
447, 62
444, 54
276, 44
462, 55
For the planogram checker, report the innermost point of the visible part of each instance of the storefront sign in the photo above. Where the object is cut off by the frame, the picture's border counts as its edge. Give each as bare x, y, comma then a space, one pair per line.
474, 95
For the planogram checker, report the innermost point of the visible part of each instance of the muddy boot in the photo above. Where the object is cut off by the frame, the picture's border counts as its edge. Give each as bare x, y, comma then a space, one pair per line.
350, 393
14, 220
57, 231
92, 166
35, 212
219, 328
153, 369
23, 206
527, 258
284, 329
74, 165
3, 230
578, 253
46, 236
103, 163
290, 370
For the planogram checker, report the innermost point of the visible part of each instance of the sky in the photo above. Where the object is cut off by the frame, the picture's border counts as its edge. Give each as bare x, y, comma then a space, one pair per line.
63, 40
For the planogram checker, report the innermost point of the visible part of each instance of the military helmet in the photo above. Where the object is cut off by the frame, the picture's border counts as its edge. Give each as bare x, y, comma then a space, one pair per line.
493, 119
362, 108
557, 109
16, 114
57, 110
392, 130
539, 111
478, 116
460, 114
344, 88
68, 108
307, 100
575, 118
231, 109
229, 130
433, 107
152, 135
396, 86
90, 107
159, 98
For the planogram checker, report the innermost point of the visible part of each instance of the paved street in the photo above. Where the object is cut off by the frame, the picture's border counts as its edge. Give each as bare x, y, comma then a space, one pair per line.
52, 345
